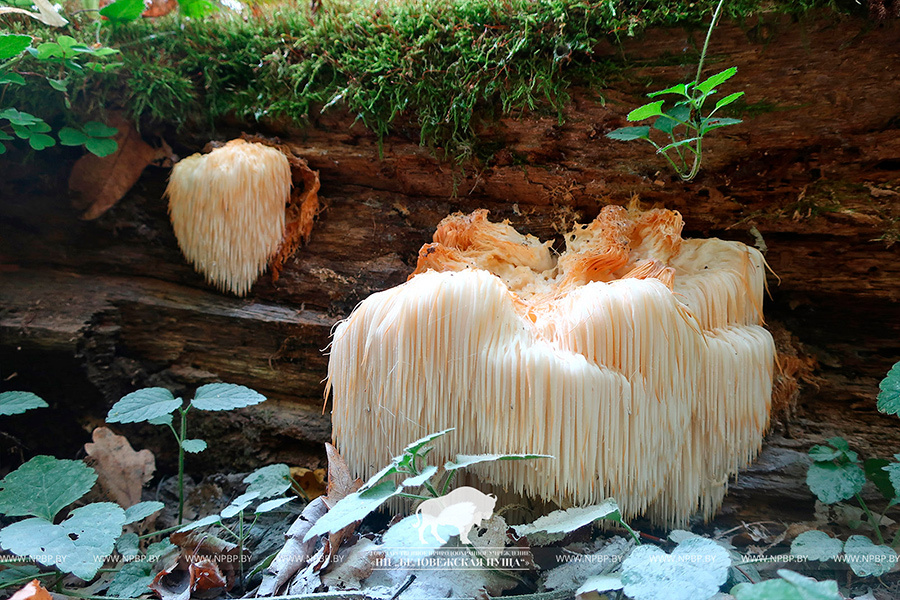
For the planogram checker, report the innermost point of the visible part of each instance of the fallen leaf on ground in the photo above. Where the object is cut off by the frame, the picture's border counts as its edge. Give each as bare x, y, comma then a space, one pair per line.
206, 567
32, 591
102, 181
295, 553
121, 471
311, 481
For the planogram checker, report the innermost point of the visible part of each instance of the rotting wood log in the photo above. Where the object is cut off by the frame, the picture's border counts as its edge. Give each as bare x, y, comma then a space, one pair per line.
814, 169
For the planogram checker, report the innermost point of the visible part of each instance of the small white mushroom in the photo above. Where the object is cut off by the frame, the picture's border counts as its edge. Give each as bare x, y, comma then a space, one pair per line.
637, 359
228, 211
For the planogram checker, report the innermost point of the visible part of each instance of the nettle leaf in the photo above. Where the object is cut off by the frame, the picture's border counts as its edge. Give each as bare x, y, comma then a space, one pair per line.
695, 570
128, 544
867, 559
889, 396
142, 510
269, 481
893, 471
352, 508
626, 134
816, 545
414, 447
420, 479
654, 109
101, 146
466, 460
12, 45
132, 580
680, 89
792, 586
877, 474
271, 505
707, 86
667, 123
239, 504
44, 486
210, 520
225, 396
14, 403
122, 11
564, 521
832, 483
79, 545
193, 446
17, 575
709, 124
143, 405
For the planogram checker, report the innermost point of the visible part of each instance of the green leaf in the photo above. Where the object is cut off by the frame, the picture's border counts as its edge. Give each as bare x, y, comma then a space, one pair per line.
824, 453
210, 520
165, 419
104, 51
128, 544
565, 521
44, 486
17, 575
69, 136
269, 481
21, 131
238, 504
626, 134
466, 460
14, 403
3, 148
59, 84
143, 405
889, 396
867, 559
654, 109
122, 11
12, 45
876, 473
709, 124
142, 510
193, 446
792, 586
352, 508
420, 479
414, 447
695, 570
728, 100
832, 483
707, 86
816, 545
13, 78
101, 147
893, 471
39, 141
197, 9
39, 127
271, 505
225, 396
79, 545
5, 136
99, 130
666, 124
680, 89
132, 580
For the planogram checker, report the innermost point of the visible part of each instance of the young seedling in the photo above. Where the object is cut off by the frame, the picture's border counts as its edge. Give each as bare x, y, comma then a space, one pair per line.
158, 405
684, 124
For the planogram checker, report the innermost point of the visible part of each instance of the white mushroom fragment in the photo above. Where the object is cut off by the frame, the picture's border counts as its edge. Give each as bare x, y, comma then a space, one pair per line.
228, 211
636, 358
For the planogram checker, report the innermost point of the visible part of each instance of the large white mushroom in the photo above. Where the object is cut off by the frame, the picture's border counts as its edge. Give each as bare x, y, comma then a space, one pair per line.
228, 211
636, 358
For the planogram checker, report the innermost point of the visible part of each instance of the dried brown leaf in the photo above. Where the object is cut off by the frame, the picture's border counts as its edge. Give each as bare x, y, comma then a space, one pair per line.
102, 181
295, 553
311, 481
121, 471
213, 563
32, 591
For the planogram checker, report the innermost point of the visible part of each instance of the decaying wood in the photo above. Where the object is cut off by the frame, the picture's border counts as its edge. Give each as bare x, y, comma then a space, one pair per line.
813, 174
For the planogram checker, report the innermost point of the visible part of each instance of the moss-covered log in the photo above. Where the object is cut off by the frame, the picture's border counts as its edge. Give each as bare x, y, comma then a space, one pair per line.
811, 174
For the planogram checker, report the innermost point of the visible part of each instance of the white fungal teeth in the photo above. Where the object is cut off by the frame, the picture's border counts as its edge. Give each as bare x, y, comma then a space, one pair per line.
638, 360
227, 210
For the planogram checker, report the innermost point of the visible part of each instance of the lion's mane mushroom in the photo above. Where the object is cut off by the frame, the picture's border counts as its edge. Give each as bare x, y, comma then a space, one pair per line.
636, 358
228, 211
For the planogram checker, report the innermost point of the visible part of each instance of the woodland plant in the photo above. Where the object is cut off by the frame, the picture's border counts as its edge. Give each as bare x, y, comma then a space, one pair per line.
684, 123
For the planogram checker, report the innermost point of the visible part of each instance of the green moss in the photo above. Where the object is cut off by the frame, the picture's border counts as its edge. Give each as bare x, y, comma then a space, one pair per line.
442, 67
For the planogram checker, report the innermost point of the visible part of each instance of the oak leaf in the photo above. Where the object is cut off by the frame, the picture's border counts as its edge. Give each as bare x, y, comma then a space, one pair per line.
122, 471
